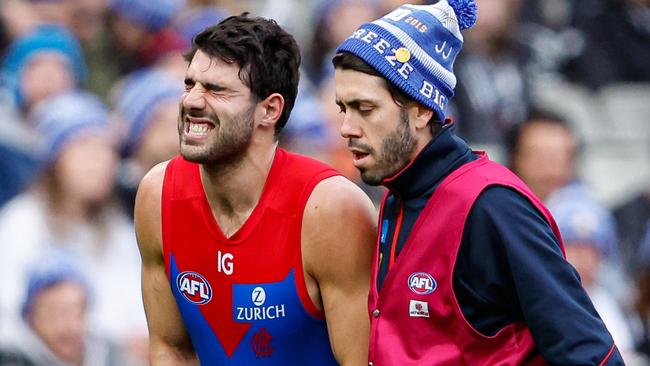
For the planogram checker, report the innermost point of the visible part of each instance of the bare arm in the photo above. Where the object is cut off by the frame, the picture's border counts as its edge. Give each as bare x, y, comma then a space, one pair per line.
339, 231
169, 342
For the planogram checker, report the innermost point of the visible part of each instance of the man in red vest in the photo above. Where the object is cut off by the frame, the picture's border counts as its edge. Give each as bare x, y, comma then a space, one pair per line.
470, 267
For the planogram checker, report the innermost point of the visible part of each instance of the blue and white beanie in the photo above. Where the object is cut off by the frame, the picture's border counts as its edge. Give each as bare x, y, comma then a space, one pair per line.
583, 221
53, 267
137, 98
61, 118
415, 46
44, 38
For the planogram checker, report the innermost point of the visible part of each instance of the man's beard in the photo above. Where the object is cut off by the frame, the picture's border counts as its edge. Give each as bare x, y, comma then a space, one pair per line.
228, 146
395, 153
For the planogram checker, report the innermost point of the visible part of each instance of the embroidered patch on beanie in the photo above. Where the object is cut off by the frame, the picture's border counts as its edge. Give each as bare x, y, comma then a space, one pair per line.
414, 47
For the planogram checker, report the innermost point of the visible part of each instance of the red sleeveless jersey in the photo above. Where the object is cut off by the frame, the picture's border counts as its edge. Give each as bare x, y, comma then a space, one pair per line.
416, 318
243, 299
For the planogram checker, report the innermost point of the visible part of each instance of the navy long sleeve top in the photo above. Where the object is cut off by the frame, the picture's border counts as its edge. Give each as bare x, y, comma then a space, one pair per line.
510, 266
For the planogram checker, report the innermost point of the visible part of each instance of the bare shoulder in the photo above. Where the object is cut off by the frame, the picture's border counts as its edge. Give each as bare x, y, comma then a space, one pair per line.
147, 210
169, 340
339, 220
151, 184
335, 196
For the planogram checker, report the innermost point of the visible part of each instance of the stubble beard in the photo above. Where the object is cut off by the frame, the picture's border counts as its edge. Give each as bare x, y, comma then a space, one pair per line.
395, 153
228, 146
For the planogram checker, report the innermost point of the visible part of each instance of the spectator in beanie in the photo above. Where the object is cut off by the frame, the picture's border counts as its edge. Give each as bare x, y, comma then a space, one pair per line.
141, 33
147, 103
55, 312
49, 52
589, 234
71, 206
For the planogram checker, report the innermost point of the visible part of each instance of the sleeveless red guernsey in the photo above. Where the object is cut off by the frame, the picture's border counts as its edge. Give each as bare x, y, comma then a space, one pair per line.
243, 299
416, 319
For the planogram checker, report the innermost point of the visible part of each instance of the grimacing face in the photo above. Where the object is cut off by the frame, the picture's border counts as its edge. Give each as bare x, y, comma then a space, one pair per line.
380, 135
216, 118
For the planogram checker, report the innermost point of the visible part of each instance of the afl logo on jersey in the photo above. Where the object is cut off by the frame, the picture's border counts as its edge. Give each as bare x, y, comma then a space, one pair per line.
422, 283
194, 287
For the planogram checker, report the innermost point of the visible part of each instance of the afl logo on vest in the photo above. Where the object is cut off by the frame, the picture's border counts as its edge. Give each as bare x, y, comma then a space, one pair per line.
194, 287
422, 283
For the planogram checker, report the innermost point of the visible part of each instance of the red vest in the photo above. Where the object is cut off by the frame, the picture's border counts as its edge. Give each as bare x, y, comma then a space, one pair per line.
416, 319
243, 298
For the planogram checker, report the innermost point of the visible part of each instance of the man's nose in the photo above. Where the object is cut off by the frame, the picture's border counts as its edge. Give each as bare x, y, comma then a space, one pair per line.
350, 128
194, 98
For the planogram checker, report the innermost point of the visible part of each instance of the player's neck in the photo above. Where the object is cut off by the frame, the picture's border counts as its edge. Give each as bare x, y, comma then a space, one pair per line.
234, 191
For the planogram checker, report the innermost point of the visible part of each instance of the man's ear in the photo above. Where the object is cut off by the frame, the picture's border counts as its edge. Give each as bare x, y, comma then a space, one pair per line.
272, 108
420, 115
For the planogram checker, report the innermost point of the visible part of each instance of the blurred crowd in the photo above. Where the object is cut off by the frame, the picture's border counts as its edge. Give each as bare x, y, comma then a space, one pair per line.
558, 90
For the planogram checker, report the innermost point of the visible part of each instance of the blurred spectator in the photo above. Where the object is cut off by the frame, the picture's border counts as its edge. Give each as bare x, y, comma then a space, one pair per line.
59, 12
147, 103
307, 132
83, 18
334, 21
618, 44
543, 151
55, 311
71, 206
631, 218
88, 19
492, 93
555, 14
41, 63
546, 28
44, 62
89, 24
140, 33
17, 18
589, 234
192, 21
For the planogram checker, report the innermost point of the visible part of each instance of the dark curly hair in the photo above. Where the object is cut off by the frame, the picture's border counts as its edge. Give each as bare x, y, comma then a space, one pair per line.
268, 56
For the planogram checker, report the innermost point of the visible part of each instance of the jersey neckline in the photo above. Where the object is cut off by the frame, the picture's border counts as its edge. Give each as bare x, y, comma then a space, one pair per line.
249, 226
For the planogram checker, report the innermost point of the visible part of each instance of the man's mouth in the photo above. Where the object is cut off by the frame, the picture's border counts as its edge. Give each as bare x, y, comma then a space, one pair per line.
358, 155
198, 127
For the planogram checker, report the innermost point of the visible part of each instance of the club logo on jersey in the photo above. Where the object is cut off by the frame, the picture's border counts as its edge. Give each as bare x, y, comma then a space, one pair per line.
194, 287
419, 309
422, 283
261, 343
258, 311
